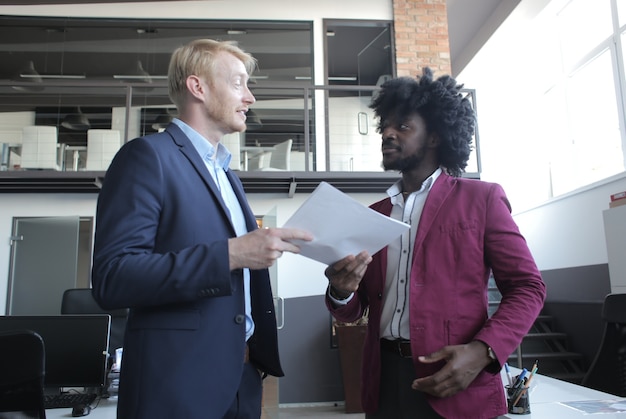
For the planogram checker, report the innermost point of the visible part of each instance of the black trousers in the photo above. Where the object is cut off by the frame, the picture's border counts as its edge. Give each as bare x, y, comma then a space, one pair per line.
397, 399
248, 401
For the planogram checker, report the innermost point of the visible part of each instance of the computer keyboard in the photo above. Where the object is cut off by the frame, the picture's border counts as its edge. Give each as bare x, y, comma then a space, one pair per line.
62, 400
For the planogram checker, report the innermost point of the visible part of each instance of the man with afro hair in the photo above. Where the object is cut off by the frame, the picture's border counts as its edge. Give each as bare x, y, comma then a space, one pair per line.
431, 349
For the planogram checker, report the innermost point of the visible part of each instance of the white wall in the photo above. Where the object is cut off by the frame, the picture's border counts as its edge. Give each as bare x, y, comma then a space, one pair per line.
569, 231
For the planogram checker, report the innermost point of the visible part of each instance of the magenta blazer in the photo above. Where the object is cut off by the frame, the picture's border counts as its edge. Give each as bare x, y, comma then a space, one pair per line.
466, 230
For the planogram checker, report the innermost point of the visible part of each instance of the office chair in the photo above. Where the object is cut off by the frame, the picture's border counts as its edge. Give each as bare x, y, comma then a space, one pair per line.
608, 370
81, 301
39, 147
259, 161
22, 370
102, 144
281, 156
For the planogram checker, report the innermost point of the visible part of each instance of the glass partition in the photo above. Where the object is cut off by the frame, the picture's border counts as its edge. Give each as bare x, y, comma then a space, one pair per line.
72, 91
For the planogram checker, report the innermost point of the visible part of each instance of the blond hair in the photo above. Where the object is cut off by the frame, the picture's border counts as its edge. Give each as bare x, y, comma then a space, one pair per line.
198, 58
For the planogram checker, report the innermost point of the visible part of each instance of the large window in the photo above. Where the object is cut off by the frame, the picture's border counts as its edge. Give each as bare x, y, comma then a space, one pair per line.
582, 114
549, 85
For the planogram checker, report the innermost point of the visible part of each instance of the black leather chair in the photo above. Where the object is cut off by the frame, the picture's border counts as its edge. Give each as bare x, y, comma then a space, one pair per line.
81, 301
22, 371
608, 370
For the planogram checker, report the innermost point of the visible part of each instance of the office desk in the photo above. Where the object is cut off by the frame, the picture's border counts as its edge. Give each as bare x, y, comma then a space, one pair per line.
547, 395
106, 409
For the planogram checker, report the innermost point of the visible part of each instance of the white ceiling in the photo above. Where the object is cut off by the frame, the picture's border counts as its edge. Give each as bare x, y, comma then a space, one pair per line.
470, 24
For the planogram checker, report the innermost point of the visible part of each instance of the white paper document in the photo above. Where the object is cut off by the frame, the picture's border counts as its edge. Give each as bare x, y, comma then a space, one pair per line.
341, 226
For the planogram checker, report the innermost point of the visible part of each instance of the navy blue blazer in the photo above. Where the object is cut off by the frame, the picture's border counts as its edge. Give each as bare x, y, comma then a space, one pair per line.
161, 249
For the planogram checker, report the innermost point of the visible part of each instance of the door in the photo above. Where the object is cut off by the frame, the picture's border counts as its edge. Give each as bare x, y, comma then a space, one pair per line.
44, 263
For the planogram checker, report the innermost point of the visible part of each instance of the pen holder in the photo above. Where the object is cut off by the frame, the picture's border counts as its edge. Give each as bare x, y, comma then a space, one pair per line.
518, 400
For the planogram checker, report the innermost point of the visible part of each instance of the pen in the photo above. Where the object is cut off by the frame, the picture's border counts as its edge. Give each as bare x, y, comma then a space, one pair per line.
532, 374
508, 373
520, 378
526, 385
535, 365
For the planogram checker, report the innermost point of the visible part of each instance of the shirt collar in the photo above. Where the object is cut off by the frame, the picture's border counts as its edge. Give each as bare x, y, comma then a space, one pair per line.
204, 148
395, 190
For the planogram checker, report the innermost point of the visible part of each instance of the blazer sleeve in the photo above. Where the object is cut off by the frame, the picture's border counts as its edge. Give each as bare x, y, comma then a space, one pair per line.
516, 275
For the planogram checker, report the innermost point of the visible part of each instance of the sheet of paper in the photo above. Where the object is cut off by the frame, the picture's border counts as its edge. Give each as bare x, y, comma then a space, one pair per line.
598, 406
341, 226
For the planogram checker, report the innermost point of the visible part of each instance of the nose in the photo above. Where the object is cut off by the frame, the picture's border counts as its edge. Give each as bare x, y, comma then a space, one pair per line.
388, 133
249, 97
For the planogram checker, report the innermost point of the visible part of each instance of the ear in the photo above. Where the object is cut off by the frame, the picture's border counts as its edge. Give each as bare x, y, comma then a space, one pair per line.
433, 140
195, 87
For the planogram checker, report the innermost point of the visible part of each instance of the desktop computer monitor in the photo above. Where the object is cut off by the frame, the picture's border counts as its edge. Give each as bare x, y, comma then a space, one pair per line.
76, 347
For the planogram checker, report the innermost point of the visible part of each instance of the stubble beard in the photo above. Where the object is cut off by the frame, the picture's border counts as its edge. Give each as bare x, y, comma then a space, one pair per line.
404, 165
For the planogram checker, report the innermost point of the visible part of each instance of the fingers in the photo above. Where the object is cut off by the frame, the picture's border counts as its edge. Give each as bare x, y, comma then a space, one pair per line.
345, 275
283, 235
290, 234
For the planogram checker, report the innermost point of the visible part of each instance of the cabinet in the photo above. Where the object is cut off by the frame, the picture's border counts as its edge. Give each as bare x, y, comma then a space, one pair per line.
615, 233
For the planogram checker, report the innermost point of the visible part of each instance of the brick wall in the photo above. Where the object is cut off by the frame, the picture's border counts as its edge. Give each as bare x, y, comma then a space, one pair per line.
421, 28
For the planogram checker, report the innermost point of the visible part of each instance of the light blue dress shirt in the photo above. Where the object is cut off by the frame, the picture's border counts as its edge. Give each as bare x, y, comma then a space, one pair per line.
217, 165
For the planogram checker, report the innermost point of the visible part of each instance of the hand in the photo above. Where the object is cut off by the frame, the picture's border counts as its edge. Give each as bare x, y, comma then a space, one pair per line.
260, 248
346, 274
463, 364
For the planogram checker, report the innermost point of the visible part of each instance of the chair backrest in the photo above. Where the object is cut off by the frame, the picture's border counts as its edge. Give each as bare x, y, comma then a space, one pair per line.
233, 144
22, 370
260, 161
81, 301
39, 147
281, 155
102, 145
608, 370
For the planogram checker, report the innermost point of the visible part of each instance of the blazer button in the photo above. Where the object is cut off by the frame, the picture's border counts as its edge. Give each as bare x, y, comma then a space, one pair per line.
380, 295
240, 318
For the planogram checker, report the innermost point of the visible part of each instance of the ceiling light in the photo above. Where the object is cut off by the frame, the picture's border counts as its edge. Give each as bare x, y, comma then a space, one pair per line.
236, 32
29, 74
77, 121
162, 121
349, 78
136, 74
54, 76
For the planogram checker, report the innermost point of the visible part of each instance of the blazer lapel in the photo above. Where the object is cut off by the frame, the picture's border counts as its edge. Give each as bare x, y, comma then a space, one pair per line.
436, 197
190, 152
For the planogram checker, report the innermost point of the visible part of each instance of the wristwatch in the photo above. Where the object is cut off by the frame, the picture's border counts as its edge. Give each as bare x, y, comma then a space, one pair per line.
491, 354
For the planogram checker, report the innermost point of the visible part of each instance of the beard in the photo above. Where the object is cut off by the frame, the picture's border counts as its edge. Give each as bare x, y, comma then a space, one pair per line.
225, 118
404, 165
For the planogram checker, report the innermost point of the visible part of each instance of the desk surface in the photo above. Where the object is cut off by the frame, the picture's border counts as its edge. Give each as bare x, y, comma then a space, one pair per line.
547, 396
106, 409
